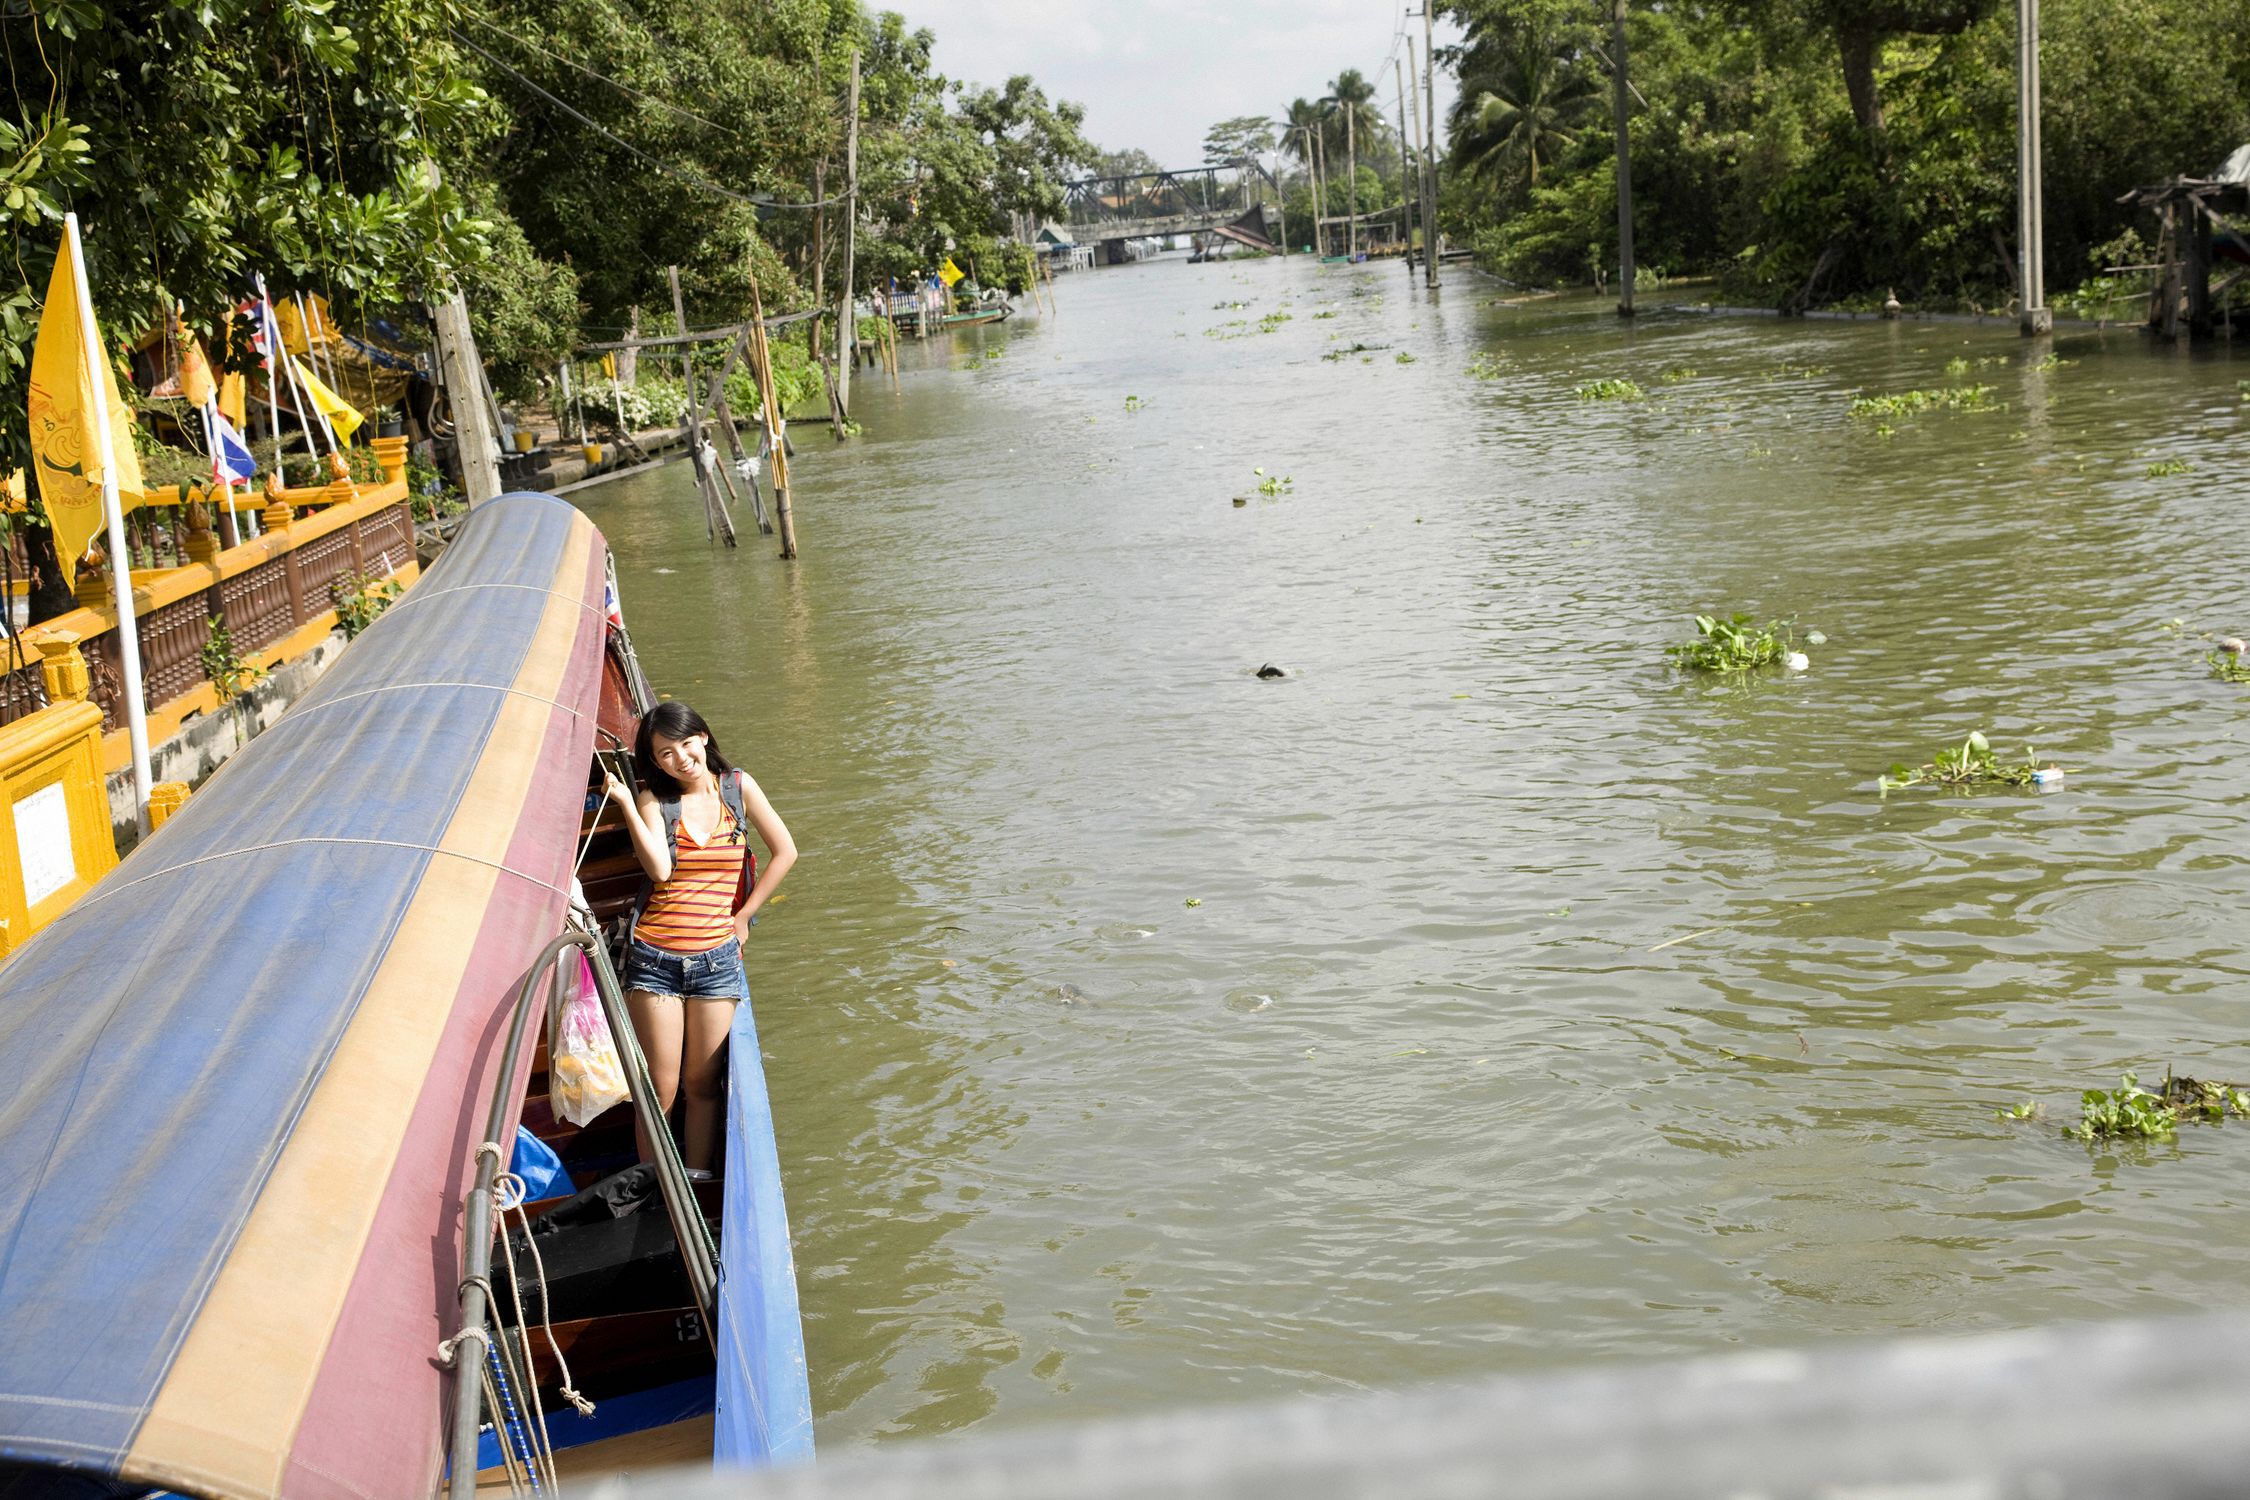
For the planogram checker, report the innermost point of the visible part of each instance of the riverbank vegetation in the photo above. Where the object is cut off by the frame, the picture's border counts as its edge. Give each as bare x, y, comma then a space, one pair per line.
1805, 153
1826, 152
551, 158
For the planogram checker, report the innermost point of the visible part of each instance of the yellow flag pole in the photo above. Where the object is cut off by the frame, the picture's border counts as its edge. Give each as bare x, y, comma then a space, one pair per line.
120, 560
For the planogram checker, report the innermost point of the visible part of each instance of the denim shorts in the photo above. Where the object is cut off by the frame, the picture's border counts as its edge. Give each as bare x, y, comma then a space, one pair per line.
715, 975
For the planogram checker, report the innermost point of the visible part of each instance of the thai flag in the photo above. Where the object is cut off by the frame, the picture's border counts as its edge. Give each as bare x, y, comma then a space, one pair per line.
231, 462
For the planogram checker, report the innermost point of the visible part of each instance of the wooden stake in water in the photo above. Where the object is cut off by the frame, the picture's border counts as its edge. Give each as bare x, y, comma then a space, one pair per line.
764, 371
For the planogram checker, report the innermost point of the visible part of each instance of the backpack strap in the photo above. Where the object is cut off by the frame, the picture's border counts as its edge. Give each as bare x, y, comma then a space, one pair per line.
667, 810
730, 792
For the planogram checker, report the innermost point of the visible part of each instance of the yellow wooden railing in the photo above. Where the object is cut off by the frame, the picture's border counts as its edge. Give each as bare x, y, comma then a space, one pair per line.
274, 592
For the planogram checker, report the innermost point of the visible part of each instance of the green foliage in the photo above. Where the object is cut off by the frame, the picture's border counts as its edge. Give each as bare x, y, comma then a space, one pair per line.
2165, 468
359, 600
1909, 403
429, 497
1971, 764
2228, 666
1610, 390
1816, 151
228, 672
1271, 485
2130, 1112
200, 143
1230, 141
1735, 644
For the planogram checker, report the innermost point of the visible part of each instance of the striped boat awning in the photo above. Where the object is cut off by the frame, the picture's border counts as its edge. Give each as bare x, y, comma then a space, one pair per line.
244, 1075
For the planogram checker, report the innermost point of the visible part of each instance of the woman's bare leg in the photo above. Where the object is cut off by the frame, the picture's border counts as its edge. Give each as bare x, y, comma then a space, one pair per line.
657, 1023
707, 1025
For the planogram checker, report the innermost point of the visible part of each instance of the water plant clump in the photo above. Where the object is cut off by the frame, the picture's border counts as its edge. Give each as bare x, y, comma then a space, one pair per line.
1345, 352
1274, 484
1736, 644
2130, 1112
1972, 763
1273, 320
1610, 390
2165, 468
1487, 367
1677, 373
2231, 662
1134, 403
1402, 357
1909, 403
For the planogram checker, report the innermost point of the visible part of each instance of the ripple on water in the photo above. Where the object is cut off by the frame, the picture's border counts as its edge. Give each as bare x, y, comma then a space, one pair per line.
1542, 1002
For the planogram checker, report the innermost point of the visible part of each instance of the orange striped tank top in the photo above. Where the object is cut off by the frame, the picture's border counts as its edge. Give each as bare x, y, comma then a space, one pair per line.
693, 912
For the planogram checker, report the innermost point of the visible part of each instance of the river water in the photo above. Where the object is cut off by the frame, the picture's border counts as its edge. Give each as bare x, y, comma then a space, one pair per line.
1482, 995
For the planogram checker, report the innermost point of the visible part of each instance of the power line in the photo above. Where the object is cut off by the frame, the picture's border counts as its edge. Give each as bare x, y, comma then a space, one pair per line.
623, 88
692, 179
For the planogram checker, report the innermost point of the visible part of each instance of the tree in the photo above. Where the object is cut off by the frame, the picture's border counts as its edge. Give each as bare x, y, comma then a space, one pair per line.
1130, 162
199, 144
1351, 102
1238, 139
1305, 120
1520, 105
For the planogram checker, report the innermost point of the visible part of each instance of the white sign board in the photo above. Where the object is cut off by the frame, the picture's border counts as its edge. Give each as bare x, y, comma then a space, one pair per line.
43, 843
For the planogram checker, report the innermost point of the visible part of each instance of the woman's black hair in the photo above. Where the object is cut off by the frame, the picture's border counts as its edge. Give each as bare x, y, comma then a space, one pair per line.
675, 721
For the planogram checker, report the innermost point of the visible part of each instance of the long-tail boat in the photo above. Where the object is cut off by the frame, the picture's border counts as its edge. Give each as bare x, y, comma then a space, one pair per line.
263, 1079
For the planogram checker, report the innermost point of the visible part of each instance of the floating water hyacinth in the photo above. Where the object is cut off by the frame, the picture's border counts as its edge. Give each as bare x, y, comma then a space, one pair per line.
1972, 764
1738, 644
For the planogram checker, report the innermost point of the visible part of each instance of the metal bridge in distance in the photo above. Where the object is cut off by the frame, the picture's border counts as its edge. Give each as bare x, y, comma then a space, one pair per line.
1222, 200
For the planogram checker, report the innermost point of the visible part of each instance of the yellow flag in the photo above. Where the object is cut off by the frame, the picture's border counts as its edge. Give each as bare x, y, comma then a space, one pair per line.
342, 415
609, 367
65, 453
233, 397
949, 273
196, 383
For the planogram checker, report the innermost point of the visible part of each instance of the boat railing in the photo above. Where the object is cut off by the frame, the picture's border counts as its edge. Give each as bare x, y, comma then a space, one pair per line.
698, 1254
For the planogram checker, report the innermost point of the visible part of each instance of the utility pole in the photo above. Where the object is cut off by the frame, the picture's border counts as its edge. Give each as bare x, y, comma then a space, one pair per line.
476, 441
1624, 168
2031, 228
847, 326
1320, 194
1429, 146
1405, 201
1351, 178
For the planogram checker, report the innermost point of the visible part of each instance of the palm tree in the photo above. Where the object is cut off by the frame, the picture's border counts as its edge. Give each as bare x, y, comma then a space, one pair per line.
1519, 106
1304, 117
1351, 98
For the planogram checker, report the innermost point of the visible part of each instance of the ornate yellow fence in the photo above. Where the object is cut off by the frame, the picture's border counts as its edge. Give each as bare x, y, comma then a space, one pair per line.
275, 594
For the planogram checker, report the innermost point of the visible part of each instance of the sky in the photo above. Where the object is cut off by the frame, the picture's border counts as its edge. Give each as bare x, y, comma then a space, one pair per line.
1156, 74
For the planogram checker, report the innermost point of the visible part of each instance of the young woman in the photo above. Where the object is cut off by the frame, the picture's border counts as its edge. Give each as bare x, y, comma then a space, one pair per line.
683, 967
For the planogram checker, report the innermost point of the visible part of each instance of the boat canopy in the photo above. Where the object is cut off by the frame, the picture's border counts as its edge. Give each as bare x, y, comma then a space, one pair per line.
246, 1072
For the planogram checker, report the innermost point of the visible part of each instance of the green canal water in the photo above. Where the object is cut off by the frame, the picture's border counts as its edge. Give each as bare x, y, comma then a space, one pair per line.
1142, 1033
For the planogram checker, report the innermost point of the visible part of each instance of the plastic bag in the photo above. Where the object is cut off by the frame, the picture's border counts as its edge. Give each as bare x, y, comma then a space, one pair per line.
584, 1073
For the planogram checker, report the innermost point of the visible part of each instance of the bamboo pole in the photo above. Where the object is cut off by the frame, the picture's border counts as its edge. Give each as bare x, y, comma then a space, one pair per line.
781, 508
